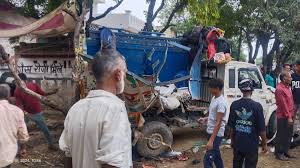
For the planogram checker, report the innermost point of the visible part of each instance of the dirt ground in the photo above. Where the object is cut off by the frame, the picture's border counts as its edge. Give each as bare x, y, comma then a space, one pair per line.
39, 156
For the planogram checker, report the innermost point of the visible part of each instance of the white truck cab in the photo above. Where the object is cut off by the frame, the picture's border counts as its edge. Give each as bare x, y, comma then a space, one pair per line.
232, 73
264, 94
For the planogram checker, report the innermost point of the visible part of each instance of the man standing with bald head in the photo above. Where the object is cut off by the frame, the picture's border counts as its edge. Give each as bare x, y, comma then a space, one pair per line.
285, 117
97, 131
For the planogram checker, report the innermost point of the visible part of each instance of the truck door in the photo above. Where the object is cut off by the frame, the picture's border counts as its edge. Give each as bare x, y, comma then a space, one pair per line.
230, 85
258, 93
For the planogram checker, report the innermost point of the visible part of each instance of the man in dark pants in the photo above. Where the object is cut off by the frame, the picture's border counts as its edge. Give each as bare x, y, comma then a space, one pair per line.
285, 115
217, 119
246, 121
296, 87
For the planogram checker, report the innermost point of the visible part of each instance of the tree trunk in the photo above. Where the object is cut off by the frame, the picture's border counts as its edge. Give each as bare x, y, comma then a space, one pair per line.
257, 45
90, 20
264, 39
76, 42
270, 55
149, 20
250, 53
282, 55
239, 45
178, 6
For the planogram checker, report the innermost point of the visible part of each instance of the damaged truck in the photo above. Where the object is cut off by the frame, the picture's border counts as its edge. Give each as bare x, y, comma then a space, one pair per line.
167, 82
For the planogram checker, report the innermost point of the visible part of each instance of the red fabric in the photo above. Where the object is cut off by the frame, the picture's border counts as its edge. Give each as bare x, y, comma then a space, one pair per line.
55, 22
211, 50
5, 26
284, 101
28, 103
211, 37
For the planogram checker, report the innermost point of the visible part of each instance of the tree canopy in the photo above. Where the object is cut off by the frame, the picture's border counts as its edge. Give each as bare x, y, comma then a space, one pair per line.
35, 8
271, 25
182, 13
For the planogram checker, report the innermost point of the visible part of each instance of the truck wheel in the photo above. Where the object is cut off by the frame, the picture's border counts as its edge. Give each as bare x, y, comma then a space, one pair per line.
272, 128
155, 133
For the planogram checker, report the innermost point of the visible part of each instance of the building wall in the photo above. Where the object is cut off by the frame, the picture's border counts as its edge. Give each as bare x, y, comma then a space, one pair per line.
53, 68
122, 21
114, 21
55, 73
136, 23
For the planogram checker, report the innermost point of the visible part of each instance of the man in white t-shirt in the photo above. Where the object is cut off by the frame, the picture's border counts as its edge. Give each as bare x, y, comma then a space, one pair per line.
216, 122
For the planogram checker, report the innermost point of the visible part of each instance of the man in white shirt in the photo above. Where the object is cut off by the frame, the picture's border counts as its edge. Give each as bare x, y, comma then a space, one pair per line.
216, 122
12, 129
97, 131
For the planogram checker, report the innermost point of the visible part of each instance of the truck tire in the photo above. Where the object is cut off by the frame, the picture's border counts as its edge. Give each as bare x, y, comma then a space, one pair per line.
272, 128
154, 132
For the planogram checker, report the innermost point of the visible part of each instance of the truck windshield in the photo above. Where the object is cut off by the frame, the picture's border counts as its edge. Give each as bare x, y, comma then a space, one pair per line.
253, 74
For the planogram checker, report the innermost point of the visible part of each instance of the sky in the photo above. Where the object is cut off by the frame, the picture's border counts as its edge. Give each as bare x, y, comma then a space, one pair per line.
137, 7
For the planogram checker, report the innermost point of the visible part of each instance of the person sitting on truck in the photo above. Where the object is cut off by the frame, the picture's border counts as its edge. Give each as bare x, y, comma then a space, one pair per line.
97, 131
246, 122
285, 117
217, 120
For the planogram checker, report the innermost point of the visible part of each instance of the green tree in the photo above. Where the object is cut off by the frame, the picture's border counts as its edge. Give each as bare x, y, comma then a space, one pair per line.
204, 12
236, 54
266, 24
35, 8
182, 14
152, 14
277, 24
229, 19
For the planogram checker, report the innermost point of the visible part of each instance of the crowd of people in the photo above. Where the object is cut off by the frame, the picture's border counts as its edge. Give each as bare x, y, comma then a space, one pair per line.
247, 124
97, 132
272, 78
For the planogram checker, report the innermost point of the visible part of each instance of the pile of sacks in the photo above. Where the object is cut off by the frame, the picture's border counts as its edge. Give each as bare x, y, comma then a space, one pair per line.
171, 97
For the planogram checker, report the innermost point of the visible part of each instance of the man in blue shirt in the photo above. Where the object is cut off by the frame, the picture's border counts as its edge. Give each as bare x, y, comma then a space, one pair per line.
246, 122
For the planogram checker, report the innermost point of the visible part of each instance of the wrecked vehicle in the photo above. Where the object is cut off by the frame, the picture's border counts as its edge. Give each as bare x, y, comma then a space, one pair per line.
167, 82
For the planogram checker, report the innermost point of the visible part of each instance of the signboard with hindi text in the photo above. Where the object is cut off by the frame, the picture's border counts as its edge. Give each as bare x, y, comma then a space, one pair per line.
46, 67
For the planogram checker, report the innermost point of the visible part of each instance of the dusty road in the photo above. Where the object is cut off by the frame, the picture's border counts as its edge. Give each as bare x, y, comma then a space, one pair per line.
39, 156
185, 139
